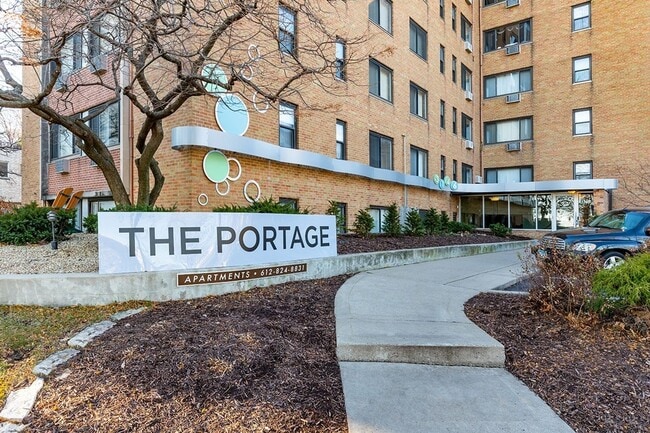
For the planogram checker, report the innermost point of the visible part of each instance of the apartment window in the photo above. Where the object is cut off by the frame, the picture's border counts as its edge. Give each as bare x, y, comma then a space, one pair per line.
453, 68
419, 162
466, 126
492, 2
343, 215
509, 82
443, 168
381, 151
442, 114
516, 33
442, 59
581, 69
288, 136
291, 203
454, 12
506, 131
105, 123
465, 29
381, 80
340, 49
442, 9
4, 169
287, 30
381, 13
418, 101
62, 142
581, 15
583, 170
509, 174
454, 170
418, 40
467, 172
454, 120
465, 78
341, 139
379, 215
582, 121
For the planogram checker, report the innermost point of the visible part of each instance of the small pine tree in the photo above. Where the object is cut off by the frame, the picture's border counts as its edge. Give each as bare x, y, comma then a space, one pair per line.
391, 225
414, 225
335, 210
432, 221
444, 222
363, 223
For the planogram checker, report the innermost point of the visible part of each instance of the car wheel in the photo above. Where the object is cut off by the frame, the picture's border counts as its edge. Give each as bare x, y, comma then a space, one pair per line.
613, 259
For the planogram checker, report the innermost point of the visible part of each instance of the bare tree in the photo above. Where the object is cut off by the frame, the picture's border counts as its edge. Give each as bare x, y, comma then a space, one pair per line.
635, 182
154, 53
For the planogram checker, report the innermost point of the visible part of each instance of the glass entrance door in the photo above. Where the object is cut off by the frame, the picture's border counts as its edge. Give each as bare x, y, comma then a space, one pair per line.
565, 211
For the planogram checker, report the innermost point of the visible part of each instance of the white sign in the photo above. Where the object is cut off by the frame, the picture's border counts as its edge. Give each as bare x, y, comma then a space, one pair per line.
157, 241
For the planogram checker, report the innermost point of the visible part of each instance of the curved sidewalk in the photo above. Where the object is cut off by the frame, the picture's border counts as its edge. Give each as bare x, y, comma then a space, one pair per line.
411, 361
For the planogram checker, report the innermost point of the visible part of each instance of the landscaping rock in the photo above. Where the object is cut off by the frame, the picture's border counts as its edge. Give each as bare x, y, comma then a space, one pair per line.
20, 402
47, 366
82, 339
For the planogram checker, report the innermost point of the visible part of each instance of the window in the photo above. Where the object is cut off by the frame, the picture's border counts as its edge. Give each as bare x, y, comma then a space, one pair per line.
454, 120
379, 215
508, 83
467, 173
581, 15
506, 131
582, 121
583, 170
454, 170
443, 168
291, 203
453, 68
340, 59
442, 114
454, 12
465, 78
343, 215
381, 80
4, 169
442, 9
341, 138
381, 13
466, 126
418, 101
442, 59
581, 69
419, 162
62, 142
465, 29
287, 30
381, 151
498, 38
492, 2
509, 174
288, 136
418, 40
105, 123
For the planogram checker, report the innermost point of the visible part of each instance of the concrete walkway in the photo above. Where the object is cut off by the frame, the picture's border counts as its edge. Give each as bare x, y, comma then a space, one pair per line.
411, 362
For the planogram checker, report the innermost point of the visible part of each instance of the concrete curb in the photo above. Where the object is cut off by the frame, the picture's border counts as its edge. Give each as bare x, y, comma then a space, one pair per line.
103, 289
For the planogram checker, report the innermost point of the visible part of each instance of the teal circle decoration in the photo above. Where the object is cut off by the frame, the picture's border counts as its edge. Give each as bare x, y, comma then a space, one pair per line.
214, 72
447, 180
436, 178
216, 166
441, 184
454, 185
232, 115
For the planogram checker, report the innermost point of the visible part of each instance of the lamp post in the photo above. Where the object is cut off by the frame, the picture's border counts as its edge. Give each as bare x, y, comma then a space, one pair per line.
51, 217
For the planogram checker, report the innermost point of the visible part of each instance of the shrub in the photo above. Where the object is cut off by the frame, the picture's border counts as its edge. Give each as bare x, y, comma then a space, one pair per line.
90, 223
268, 205
623, 287
335, 210
29, 224
391, 225
458, 227
363, 223
444, 222
432, 223
500, 230
414, 225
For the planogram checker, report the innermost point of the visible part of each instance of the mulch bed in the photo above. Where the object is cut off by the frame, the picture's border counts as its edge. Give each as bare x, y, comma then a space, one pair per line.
260, 361
596, 377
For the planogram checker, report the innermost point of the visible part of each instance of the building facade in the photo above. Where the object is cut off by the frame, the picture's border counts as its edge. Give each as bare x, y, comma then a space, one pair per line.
490, 112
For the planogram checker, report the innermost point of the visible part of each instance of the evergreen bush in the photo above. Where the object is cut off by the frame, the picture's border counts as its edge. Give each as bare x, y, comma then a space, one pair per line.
414, 226
29, 224
391, 225
432, 222
90, 223
268, 205
335, 210
623, 287
363, 223
500, 230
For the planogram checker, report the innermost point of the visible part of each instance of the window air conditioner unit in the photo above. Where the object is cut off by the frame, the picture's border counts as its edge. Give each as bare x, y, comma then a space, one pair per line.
469, 2
478, 179
512, 49
515, 97
513, 147
468, 47
62, 166
98, 64
468, 95
511, 3
469, 144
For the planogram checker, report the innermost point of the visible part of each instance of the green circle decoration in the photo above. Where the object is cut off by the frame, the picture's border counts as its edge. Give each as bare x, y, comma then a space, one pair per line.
215, 166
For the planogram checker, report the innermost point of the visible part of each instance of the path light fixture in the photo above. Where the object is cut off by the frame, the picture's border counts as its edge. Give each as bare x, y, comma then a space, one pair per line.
53, 218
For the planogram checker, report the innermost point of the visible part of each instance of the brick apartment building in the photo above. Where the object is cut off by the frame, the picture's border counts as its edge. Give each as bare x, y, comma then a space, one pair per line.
520, 112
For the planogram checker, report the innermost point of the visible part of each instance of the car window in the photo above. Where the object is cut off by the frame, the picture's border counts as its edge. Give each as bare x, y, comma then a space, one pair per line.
632, 220
612, 220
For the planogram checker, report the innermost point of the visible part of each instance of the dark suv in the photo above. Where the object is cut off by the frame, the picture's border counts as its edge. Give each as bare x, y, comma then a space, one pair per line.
612, 236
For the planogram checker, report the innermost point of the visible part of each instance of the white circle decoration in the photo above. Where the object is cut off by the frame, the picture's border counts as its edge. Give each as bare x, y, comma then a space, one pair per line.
266, 106
246, 72
232, 115
202, 199
234, 178
216, 188
254, 52
259, 191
